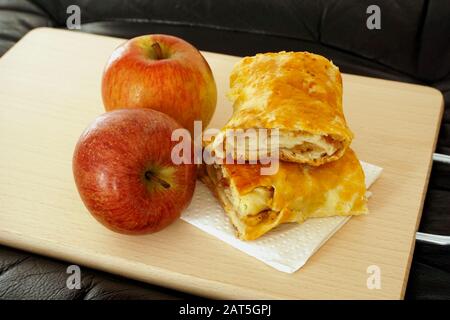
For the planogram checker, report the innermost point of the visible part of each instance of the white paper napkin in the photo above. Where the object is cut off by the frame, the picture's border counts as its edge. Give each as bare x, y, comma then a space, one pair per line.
287, 247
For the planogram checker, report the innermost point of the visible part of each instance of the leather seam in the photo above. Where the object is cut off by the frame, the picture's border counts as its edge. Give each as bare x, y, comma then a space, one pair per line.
13, 265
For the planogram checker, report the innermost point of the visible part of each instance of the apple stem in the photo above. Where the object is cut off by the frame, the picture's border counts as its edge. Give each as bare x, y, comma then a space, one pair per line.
150, 176
158, 51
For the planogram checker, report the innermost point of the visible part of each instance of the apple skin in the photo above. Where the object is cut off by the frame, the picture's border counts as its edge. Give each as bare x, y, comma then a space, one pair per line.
177, 80
111, 163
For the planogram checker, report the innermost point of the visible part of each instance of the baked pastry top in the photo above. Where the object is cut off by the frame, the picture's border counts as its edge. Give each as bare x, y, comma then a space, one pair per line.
298, 93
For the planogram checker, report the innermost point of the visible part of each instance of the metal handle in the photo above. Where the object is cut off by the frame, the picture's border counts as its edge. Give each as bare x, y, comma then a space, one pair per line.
442, 158
433, 238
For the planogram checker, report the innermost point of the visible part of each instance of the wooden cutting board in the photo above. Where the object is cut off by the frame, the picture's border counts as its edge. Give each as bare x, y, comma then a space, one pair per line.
50, 91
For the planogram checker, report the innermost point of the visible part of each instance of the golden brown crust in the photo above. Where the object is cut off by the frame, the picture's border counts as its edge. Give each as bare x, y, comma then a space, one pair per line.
300, 192
297, 92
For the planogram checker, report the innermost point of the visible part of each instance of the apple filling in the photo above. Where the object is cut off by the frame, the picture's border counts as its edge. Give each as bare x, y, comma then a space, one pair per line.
250, 206
250, 214
296, 146
251, 203
305, 147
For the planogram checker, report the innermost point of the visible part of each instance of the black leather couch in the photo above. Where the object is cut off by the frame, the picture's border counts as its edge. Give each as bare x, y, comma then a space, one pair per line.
413, 45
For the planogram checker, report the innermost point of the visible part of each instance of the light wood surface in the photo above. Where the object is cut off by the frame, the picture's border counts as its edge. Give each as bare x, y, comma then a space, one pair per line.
50, 91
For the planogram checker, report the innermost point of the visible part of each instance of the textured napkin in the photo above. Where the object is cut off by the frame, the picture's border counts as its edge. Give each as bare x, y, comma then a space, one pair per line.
287, 247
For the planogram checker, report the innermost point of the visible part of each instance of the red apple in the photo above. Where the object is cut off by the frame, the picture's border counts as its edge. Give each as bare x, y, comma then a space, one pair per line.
163, 73
124, 173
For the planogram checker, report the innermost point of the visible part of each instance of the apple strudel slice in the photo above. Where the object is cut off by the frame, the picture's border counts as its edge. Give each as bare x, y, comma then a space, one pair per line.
257, 203
298, 93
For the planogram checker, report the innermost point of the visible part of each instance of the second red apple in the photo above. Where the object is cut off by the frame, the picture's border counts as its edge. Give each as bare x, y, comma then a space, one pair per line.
163, 73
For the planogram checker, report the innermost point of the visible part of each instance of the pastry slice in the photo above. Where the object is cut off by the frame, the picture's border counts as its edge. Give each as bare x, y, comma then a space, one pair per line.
297, 93
257, 203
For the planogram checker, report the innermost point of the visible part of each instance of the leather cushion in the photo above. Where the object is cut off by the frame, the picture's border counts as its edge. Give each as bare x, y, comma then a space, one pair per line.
17, 18
28, 276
